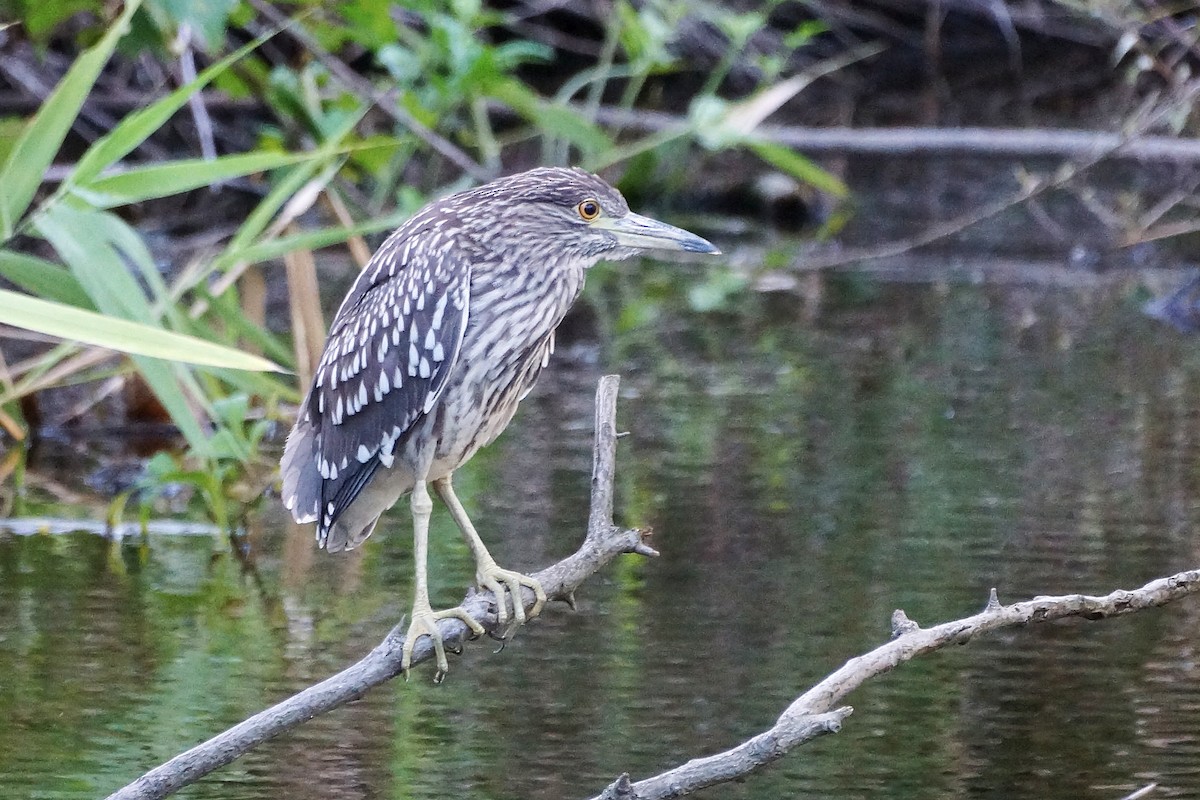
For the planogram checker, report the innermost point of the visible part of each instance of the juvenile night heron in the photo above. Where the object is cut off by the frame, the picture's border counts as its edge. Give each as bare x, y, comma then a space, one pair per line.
442, 334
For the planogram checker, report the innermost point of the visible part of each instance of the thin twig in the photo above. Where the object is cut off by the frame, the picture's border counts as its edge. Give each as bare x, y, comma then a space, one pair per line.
1117, 146
384, 100
604, 542
187, 73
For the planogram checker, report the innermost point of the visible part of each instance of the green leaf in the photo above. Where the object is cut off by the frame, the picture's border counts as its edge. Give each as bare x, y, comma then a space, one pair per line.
39, 20
206, 17
136, 127
43, 278
129, 245
126, 336
39, 143
227, 313
80, 240
370, 24
287, 187
10, 131
175, 177
309, 240
798, 167
98, 248
551, 119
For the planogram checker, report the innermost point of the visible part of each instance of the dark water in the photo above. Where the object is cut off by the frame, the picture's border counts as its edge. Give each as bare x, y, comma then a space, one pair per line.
807, 467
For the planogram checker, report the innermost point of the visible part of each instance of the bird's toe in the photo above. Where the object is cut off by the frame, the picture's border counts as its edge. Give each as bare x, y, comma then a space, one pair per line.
504, 583
425, 623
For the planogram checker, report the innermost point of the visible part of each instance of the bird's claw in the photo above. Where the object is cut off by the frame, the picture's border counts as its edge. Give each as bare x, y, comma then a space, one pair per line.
424, 623
497, 581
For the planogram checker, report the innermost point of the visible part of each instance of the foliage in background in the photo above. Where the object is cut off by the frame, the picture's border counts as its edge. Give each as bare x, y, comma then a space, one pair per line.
468, 98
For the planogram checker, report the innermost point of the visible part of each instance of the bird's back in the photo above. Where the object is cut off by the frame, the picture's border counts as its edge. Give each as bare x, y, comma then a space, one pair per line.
390, 351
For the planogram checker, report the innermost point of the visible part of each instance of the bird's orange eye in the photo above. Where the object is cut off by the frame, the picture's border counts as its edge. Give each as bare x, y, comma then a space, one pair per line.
589, 210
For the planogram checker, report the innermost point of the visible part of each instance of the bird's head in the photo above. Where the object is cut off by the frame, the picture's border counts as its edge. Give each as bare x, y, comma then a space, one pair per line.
569, 214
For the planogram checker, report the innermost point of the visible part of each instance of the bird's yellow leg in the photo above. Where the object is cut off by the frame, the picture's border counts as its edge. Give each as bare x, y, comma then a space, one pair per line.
488, 575
424, 618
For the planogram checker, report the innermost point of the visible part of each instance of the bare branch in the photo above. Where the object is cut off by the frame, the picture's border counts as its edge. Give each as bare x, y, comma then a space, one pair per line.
604, 542
940, 142
816, 712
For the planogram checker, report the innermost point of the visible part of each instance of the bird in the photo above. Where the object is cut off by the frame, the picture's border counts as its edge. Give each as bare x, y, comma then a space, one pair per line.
442, 334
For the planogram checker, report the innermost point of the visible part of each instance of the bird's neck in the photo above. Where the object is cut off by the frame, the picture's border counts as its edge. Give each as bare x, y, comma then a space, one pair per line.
534, 295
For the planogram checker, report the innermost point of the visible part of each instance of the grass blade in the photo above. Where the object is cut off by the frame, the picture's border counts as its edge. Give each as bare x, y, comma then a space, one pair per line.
227, 312
176, 177
126, 336
39, 143
311, 240
139, 125
169, 390
43, 278
799, 167
78, 237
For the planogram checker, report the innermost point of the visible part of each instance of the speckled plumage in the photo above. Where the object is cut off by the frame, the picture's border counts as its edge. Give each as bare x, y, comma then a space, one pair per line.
439, 339
443, 333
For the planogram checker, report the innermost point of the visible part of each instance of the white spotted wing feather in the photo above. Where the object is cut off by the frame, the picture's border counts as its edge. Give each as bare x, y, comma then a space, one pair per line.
391, 348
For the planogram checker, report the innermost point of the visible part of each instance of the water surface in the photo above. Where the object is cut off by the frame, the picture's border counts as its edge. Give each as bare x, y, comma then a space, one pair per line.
807, 465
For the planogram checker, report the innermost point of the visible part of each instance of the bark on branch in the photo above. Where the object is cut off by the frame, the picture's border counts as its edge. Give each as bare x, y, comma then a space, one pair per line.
816, 712
604, 542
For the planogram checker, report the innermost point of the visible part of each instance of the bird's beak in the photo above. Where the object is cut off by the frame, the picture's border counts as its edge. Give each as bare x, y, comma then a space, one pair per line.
643, 233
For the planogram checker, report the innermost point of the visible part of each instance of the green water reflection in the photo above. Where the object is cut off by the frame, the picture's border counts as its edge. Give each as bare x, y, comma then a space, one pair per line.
806, 470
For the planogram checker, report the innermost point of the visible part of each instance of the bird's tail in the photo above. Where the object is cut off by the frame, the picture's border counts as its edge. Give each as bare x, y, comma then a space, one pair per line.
344, 535
298, 468
304, 490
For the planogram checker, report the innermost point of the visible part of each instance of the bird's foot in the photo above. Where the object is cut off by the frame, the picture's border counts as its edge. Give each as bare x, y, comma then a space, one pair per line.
424, 622
495, 579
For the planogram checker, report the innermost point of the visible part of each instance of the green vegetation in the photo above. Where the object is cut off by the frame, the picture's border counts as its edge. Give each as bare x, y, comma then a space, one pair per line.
439, 95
